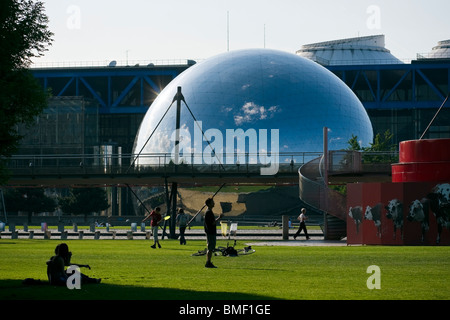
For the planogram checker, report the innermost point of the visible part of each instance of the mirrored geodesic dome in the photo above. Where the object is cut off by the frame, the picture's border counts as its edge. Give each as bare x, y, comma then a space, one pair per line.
259, 95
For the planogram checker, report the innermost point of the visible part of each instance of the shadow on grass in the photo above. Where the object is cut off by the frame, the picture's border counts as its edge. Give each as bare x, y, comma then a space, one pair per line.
16, 290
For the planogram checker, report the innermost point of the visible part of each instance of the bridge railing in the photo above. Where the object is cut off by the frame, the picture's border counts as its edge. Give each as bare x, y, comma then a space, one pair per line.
86, 164
316, 193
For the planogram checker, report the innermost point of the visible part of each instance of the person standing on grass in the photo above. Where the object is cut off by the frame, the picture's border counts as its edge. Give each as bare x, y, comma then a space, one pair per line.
182, 220
210, 226
155, 217
302, 218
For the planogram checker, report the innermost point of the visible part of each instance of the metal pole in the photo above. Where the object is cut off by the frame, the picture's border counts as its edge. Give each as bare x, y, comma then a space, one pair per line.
432, 120
325, 178
285, 225
4, 207
192, 219
173, 218
325, 155
177, 127
174, 188
168, 204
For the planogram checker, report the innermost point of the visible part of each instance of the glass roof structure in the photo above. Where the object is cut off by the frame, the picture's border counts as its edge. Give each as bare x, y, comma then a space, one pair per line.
254, 90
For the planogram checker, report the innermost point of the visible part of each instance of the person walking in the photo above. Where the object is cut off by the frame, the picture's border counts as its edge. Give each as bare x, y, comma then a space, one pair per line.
155, 217
210, 226
302, 218
182, 220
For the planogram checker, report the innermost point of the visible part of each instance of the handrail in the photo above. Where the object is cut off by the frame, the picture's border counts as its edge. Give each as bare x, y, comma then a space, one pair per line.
314, 192
108, 63
317, 194
148, 164
151, 159
154, 163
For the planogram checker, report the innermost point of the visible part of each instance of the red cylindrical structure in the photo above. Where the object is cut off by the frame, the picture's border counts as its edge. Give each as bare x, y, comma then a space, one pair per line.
423, 160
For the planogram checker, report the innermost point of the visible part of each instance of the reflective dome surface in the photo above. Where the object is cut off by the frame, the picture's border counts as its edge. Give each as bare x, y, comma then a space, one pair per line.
256, 89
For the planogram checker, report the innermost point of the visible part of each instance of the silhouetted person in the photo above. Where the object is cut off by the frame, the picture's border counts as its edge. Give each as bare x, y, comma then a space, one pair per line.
182, 220
56, 271
211, 231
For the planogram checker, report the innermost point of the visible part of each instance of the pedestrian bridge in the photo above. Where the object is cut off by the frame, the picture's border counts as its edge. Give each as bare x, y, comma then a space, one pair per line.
119, 169
308, 170
316, 179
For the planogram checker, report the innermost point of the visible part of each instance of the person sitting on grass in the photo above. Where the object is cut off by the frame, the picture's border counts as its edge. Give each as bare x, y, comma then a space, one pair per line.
56, 271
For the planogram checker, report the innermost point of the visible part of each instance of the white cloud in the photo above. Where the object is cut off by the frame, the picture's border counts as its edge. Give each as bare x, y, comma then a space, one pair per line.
251, 112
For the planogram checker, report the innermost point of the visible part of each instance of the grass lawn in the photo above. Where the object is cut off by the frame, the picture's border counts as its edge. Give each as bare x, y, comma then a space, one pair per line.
130, 269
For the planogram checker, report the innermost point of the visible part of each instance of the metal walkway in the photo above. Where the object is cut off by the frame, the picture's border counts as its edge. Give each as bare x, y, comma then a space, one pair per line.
343, 167
70, 170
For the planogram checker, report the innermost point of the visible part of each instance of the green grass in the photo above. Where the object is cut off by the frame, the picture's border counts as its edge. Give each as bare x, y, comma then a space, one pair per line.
130, 269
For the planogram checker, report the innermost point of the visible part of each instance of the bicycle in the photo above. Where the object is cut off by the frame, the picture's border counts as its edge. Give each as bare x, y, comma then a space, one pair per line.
227, 251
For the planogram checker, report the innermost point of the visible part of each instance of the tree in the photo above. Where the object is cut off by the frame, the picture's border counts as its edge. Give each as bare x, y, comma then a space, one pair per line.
23, 35
381, 143
84, 201
30, 200
353, 143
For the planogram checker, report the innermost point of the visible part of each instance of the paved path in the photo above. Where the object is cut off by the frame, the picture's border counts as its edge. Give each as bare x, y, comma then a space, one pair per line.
256, 237
300, 243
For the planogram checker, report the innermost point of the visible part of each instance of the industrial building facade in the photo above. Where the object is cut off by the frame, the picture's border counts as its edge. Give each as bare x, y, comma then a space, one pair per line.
400, 97
99, 109
112, 100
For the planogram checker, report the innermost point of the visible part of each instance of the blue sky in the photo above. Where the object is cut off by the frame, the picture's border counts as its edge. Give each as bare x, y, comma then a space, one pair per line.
100, 30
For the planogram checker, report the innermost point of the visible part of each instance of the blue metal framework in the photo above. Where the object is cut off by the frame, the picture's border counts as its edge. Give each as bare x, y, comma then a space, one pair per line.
421, 84
402, 98
398, 97
116, 89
